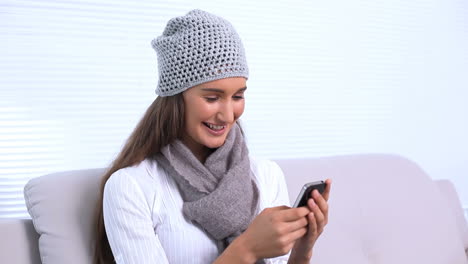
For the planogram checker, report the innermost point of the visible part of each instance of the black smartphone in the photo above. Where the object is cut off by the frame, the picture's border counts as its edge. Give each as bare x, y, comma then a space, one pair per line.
306, 192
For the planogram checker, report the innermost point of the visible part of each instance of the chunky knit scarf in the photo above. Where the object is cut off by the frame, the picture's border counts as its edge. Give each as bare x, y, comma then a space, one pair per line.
220, 196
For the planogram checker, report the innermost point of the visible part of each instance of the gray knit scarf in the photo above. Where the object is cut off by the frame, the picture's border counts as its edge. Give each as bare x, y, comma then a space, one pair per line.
220, 196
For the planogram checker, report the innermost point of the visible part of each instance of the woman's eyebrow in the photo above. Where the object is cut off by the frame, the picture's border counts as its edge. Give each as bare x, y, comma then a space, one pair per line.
222, 91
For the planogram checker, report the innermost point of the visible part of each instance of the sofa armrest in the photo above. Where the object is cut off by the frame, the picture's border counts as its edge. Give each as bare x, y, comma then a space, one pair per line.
19, 242
449, 192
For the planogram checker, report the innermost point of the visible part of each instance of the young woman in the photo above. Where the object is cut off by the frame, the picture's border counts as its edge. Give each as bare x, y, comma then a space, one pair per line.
184, 188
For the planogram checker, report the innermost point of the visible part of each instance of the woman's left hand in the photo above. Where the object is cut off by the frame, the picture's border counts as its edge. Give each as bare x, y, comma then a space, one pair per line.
318, 219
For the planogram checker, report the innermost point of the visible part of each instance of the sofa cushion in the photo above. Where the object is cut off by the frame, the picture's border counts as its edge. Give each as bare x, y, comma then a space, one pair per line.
62, 207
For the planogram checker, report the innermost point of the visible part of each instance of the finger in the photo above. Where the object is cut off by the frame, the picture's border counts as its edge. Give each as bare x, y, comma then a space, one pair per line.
271, 211
298, 224
274, 210
295, 235
312, 231
321, 202
293, 214
326, 193
280, 208
318, 215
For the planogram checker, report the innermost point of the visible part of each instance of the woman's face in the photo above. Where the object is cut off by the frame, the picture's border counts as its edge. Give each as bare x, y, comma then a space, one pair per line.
211, 109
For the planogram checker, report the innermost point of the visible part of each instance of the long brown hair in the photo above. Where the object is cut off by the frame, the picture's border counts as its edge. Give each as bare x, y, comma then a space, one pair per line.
162, 123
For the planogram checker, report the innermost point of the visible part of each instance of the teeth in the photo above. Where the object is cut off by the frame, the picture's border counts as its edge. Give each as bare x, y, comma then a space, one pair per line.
214, 127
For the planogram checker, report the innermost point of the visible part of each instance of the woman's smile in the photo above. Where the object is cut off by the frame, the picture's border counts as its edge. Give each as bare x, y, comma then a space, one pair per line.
215, 130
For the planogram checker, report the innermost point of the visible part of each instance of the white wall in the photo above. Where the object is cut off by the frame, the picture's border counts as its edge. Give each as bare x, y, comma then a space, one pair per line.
327, 78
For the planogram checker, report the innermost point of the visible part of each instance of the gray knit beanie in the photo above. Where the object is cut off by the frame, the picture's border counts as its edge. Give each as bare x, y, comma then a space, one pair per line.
196, 48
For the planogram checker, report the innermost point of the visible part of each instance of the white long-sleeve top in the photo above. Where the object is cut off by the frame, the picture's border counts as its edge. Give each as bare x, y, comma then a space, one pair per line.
144, 221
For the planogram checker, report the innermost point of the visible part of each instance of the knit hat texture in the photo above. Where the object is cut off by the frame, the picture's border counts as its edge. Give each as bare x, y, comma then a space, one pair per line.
196, 48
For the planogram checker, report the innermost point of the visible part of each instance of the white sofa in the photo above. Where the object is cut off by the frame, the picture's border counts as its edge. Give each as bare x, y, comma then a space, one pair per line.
383, 210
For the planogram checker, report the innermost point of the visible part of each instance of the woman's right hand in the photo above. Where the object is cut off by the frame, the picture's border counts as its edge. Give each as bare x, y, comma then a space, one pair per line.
273, 232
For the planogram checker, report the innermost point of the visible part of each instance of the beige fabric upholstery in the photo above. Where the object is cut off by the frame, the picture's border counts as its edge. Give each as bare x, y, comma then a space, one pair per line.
383, 210
453, 203
62, 207
18, 242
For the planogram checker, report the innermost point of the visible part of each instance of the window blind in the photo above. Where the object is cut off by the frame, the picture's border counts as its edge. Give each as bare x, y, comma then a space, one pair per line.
327, 78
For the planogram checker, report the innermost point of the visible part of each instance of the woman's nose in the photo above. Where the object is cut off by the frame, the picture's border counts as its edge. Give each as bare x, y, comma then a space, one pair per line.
226, 112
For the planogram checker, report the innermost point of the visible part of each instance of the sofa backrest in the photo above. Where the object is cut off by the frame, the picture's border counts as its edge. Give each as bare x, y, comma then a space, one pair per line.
447, 188
383, 209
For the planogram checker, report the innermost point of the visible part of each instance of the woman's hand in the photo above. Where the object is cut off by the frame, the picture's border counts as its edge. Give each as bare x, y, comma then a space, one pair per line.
317, 219
273, 232
277, 230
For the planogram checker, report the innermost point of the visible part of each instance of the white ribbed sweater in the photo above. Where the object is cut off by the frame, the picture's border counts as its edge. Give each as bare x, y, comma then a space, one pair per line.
144, 221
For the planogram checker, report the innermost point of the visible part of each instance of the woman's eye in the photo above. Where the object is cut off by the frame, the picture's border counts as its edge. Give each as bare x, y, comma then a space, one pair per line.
238, 97
211, 99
